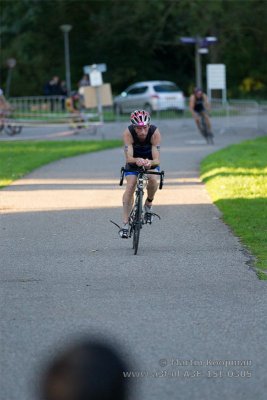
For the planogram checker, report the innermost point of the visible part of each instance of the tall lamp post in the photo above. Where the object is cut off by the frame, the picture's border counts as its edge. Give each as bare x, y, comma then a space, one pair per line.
201, 47
11, 63
66, 29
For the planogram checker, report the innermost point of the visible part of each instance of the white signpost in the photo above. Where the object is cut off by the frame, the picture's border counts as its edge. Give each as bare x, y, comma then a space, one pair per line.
216, 79
95, 73
96, 78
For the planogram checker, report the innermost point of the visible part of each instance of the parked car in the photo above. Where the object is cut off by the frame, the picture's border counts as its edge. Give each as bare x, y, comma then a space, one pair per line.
151, 96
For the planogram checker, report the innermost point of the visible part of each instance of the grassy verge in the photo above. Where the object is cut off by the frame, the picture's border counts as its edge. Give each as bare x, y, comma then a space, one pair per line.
20, 158
236, 178
108, 116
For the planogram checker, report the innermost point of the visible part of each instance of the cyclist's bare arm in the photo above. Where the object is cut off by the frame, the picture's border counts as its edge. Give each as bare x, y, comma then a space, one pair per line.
155, 141
192, 102
128, 147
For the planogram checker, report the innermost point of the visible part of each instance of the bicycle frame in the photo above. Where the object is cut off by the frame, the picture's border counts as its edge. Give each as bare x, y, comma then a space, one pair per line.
136, 218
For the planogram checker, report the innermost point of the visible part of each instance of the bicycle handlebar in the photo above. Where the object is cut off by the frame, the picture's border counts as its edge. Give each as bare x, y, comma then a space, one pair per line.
144, 171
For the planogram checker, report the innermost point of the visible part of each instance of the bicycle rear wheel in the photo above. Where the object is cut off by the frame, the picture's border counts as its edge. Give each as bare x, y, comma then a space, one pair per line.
9, 130
137, 223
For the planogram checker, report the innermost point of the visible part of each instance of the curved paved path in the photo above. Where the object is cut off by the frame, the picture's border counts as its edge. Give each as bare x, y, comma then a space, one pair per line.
189, 295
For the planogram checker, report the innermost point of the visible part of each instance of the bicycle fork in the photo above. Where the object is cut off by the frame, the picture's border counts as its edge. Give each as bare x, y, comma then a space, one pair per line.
139, 192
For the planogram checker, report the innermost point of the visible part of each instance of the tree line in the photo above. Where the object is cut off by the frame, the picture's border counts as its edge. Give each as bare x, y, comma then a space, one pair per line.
137, 40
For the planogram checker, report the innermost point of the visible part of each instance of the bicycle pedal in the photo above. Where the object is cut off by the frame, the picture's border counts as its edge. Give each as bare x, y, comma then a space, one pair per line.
124, 233
148, 218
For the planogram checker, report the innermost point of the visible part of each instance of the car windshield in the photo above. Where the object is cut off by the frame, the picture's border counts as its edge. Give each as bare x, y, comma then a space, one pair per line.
166, 88
138, 90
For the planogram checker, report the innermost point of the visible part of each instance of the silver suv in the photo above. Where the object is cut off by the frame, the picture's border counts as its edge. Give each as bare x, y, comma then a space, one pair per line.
151, 96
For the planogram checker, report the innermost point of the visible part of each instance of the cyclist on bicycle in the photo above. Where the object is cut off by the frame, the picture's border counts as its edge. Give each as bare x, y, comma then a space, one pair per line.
199, 105
142, 149
5, 106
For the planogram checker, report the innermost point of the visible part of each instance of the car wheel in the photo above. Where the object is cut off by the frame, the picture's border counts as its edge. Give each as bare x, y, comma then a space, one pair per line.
117, 109
148, 108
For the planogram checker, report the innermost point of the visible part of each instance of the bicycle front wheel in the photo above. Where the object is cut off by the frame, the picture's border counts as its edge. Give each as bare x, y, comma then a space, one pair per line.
137, 223
17, 129
204, 129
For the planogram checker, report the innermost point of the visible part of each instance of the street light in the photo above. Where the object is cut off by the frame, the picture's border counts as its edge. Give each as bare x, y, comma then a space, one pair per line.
66, 29
11, 63
201, 47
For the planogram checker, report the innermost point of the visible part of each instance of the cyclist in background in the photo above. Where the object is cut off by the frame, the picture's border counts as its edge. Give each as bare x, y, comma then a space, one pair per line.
5, 109
199, 105
5, 106
141, 148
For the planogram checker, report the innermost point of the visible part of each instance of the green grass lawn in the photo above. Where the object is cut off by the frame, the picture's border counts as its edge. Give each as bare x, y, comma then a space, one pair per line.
236, 178
20, 158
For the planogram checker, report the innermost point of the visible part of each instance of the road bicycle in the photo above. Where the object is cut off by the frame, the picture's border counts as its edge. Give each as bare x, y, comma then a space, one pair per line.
204, 129
8, 125
9, 128
137, 216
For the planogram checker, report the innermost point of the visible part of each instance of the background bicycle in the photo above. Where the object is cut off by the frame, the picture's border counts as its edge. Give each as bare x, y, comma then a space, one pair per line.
204, 129
9, 125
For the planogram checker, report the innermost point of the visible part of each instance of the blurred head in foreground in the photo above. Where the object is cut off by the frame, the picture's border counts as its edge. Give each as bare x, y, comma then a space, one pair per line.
86, 370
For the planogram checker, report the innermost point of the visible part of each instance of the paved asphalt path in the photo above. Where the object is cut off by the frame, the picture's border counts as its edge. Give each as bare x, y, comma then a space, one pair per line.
187, 304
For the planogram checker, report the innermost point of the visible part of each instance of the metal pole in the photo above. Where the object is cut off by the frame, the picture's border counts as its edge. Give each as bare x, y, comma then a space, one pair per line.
8, 82
67, 61
66, 29
198, 64
99, 103
11, 63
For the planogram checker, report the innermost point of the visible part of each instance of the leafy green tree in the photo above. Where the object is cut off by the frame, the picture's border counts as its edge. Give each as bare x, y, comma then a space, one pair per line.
137, 39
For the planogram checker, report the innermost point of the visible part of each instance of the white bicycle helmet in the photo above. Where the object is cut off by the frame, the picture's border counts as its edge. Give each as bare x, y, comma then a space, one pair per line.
140, 118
